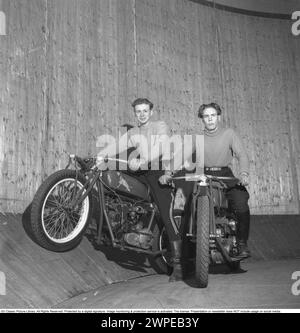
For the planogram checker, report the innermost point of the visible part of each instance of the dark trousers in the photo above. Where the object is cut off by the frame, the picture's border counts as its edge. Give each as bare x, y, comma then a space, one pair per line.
162, 195
237, 196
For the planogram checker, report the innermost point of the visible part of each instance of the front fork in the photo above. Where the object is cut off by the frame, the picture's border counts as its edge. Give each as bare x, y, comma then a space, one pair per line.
214, 239
92, 179
202, 190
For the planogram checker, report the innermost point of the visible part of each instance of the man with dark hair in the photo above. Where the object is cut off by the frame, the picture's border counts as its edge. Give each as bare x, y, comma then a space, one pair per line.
220, 145
139, 101
210, 105
154, 133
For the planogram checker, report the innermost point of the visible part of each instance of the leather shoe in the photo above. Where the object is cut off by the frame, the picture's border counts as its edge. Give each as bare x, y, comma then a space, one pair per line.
244, 251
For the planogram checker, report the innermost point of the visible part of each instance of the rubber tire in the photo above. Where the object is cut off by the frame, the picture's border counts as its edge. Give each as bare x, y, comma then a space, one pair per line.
160, 265
37, 204
202, 242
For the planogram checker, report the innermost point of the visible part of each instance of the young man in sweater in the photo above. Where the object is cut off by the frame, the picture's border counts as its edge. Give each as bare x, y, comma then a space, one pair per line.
143, 138
220, 145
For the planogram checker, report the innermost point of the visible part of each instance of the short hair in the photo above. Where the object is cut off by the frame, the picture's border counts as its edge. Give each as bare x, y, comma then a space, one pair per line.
139, 101
210, 105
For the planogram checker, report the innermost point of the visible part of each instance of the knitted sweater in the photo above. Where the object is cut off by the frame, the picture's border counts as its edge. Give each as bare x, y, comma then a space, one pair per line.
220, 147
143, 138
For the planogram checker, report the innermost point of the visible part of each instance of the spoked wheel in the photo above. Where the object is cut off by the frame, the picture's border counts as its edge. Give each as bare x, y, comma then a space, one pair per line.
161, 263
202, 242
57, 224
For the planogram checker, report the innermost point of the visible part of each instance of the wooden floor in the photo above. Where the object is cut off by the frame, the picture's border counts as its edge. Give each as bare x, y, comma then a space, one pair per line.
37, 278
275, 237
258, 285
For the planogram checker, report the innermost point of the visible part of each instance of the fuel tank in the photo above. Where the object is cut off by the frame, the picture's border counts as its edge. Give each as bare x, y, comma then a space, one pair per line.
126, 184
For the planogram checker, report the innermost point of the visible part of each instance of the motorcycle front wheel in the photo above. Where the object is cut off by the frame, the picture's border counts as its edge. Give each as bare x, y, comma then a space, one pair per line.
58, 225
202, 242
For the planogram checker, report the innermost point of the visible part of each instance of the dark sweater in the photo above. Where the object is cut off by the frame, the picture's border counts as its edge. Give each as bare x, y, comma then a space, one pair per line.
220, 147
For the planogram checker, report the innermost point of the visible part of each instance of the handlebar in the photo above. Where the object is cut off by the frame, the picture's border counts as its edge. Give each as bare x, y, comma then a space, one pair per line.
89, 163
201, 177
222, 178
106, 159
203, 180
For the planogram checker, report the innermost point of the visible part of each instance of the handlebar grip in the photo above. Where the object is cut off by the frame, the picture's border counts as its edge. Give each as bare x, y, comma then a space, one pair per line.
106, 159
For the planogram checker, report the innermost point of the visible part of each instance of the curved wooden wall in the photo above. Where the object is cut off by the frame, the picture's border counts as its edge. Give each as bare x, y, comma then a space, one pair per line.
69, 70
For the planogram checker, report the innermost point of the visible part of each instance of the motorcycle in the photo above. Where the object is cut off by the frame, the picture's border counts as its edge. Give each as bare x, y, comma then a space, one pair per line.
212, 226
128, 219
62, 207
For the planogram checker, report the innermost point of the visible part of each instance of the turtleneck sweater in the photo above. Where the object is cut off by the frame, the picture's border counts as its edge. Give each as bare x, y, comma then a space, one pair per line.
221, 146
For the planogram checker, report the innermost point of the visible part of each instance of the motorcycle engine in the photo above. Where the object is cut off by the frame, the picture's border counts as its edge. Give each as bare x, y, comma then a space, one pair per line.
139, 236
129, 223
226, 232
142, 238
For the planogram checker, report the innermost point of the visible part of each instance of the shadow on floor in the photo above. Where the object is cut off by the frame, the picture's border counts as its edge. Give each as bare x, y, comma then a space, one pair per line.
128, 259
213, 270
26, 224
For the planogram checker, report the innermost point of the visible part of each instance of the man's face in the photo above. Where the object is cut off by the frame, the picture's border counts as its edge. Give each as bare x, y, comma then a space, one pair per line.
210, 119
143, 113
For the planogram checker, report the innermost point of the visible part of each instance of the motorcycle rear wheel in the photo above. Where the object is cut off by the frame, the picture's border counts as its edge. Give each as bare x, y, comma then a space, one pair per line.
55, 225
202, 242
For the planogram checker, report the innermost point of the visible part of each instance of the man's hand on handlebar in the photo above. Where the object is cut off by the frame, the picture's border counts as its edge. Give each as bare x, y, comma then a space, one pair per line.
244, 179
99, 160
166, 179
135, 163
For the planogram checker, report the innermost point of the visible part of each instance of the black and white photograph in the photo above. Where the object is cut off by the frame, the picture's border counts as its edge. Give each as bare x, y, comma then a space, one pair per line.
150, 158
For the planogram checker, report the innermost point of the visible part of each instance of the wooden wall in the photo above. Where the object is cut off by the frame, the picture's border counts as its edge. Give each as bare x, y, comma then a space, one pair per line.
69, 70
190, 54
